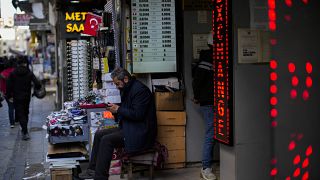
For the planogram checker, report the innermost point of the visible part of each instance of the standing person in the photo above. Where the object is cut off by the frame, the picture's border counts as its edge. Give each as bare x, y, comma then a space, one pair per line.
137, 120
19, 92
203, 94
4, 75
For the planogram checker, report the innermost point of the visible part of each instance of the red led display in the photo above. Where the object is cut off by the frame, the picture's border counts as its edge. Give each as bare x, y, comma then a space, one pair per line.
296, 160
292, 145
293, 94
273, 89
294, 81
297, 172
273, 76
274, 172
273, 113
273, 64
305, 176
305, 163
273, 101
291, 67
288, 3
305, 95
309, 82
309, 67
223, 75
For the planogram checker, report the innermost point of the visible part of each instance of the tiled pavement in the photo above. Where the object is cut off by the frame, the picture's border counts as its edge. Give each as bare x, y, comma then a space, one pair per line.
19, 157
24, 159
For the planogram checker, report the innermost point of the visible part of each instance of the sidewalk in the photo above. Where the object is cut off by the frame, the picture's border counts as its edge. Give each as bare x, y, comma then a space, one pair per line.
16, 154
22, 158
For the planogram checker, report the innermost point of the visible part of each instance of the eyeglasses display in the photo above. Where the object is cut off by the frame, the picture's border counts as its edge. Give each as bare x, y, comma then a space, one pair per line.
79, 65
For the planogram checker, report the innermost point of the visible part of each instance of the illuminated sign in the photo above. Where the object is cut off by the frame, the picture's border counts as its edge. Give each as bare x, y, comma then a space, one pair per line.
75, 21
223, 71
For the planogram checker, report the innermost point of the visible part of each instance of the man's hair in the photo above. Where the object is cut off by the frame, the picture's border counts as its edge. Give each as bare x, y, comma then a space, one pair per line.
120, 73
22, 60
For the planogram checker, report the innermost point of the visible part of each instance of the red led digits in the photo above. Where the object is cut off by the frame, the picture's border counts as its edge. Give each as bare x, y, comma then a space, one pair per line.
273, 89
293, 93
291, 67
273, 76
273, 64
296, 160
273, 101
274, 172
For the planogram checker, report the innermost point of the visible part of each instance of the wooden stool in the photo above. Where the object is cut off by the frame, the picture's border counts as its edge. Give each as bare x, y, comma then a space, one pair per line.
141, 161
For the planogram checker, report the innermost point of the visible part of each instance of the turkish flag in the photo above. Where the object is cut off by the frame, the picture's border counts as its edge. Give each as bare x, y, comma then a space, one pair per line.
92, 24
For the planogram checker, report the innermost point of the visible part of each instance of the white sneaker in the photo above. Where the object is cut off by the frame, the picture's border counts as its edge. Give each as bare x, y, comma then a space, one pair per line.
207, 174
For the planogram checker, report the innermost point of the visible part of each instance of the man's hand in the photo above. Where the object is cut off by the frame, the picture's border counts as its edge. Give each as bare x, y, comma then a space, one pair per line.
11, 100
113, 108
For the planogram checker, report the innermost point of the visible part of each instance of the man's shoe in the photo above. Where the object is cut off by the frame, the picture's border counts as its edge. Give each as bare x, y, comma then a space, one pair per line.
88, 174
207, 174
25, 137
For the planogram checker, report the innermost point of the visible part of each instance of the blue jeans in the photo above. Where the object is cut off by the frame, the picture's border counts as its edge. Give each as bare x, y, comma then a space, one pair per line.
208, 145
10, 111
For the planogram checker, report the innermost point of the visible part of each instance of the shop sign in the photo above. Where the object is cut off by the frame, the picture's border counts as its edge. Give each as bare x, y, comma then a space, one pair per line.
75, 21
223, 72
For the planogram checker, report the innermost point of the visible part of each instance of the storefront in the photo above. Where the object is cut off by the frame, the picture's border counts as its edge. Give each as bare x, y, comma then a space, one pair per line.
150, 40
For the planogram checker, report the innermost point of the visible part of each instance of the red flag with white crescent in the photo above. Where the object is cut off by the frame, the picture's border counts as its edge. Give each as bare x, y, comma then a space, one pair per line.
92, 24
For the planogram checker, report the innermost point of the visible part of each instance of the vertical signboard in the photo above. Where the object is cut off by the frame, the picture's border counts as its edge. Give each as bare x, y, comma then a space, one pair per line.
153, 36
223, 71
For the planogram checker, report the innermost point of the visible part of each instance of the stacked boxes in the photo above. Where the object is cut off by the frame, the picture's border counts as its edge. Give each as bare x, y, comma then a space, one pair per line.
171, 126
110, 92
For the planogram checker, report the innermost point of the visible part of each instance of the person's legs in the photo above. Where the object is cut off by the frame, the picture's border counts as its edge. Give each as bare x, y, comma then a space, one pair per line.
107, 145
22, 113
207, 112
10, 111
90, 172
208, 145
96, 143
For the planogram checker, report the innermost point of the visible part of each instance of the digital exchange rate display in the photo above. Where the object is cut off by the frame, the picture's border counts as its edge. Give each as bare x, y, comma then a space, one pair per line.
153, 36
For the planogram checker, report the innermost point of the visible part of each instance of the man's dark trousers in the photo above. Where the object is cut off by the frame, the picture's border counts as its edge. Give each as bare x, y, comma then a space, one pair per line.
103, 146
22, 113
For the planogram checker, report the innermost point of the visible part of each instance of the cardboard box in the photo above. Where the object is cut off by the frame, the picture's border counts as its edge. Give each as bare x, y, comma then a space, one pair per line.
171, 118
175, 165
112, 99
61, 174
168, 101
169, 82
171, 131
176, 143
176, 156
108, 85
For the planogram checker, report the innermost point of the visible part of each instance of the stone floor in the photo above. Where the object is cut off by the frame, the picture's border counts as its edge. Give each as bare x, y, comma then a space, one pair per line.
25, 159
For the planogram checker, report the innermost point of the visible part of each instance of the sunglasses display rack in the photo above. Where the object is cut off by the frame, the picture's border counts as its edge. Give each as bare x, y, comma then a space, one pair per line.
79, 71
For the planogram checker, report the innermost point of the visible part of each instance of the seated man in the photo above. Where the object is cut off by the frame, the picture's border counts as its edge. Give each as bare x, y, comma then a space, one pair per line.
137, 125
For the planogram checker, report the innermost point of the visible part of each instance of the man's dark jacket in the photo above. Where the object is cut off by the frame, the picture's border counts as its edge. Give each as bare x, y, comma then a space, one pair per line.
137, 115
202, 83
19, 84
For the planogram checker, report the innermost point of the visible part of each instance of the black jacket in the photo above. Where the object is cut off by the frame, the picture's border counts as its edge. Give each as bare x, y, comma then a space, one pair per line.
202, 83
19, 84
137, 116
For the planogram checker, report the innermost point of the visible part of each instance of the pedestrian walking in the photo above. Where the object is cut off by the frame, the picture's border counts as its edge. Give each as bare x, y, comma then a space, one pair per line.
4, 75
19, 86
